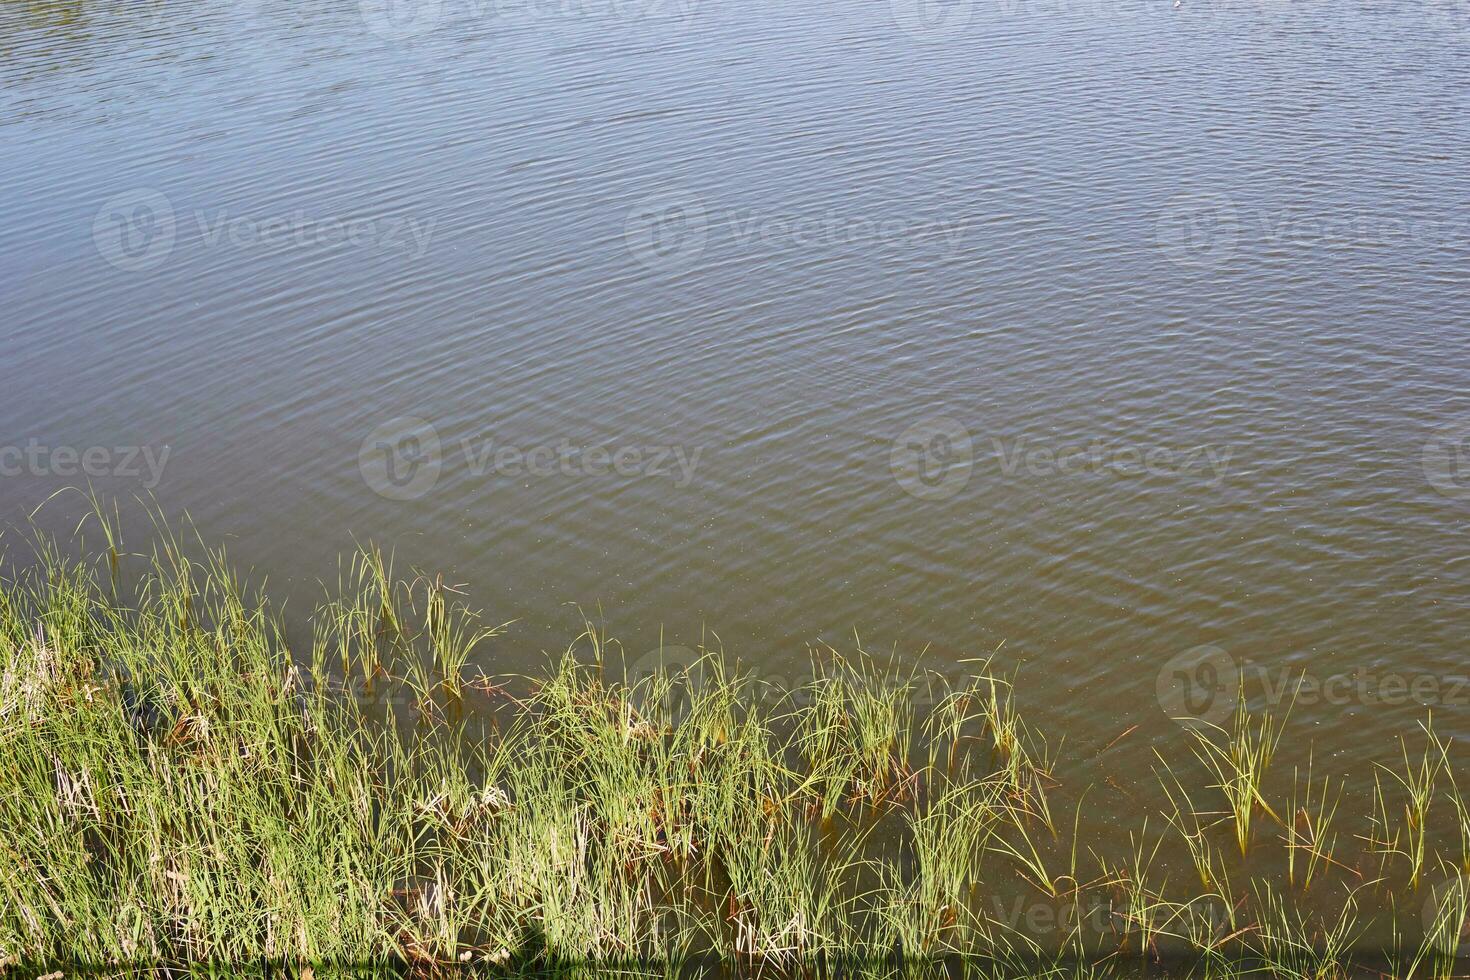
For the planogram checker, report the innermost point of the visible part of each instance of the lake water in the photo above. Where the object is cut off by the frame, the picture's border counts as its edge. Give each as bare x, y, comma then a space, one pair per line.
1106, 331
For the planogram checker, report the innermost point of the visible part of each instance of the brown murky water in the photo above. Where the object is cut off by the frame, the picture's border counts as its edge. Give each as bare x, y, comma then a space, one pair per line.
1106, 331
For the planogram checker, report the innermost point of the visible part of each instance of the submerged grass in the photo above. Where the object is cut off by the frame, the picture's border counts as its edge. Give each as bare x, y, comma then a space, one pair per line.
179, 788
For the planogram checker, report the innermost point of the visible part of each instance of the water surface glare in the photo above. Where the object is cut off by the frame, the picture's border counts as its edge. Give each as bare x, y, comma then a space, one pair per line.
1107, 330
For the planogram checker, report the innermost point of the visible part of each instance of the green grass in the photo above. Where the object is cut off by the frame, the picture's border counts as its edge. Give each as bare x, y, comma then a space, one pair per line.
181, 787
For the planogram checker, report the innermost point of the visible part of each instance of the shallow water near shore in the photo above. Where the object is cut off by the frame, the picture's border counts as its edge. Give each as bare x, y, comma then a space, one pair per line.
1129, 337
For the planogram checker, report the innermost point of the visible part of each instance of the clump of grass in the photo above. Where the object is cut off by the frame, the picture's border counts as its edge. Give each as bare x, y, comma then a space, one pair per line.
1295, 948
180, 788
1142, 910
1210, 916
1239, 758
853, 725
363, 621
1447, 916
1309, 831
452, 632
1020, 755
1407, 838
951, 830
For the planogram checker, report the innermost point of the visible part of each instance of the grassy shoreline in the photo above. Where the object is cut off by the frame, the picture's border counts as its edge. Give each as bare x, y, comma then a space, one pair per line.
179, 787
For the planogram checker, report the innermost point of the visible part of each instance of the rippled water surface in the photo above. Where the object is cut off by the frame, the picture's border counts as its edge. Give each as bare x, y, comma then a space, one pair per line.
1102, 330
